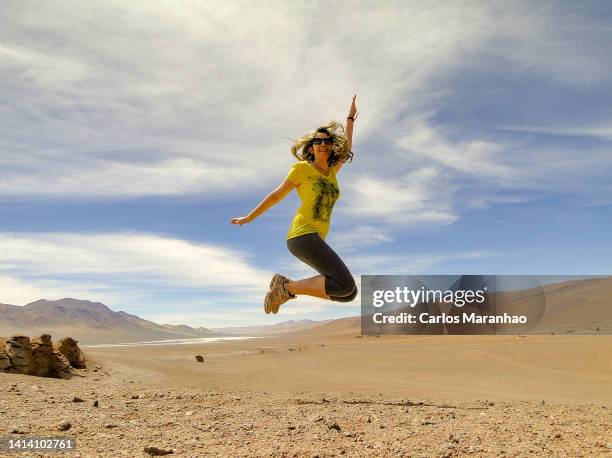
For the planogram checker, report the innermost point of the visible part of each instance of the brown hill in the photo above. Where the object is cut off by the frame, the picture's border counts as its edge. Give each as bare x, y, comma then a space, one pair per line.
574, 306
95, 323
88, 322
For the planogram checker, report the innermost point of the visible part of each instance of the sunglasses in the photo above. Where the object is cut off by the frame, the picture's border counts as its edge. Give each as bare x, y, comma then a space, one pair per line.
319, 141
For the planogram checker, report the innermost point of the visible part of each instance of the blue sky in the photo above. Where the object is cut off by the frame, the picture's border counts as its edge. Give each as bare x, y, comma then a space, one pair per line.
132, 132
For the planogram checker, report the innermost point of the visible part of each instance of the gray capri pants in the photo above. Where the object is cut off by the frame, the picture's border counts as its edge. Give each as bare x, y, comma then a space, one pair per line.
313, 250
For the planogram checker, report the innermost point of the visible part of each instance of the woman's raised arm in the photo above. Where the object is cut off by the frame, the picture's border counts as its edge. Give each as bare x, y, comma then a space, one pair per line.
348, 131
350, 119
270, 200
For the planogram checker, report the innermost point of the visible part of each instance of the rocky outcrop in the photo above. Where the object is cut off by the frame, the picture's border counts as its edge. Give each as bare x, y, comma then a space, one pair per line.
42, 362
38, 357
62, 365
19, 351
69, 348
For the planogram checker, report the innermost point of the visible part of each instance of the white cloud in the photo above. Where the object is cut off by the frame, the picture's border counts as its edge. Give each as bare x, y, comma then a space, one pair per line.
406, 264
358, 237
469, 157
133, 99
127, 270
168, 177
558, 41
21, 291
196, 85
602, 132
413, 199
121, 266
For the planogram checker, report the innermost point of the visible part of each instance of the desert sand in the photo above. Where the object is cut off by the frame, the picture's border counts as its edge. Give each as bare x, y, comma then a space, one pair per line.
328, 391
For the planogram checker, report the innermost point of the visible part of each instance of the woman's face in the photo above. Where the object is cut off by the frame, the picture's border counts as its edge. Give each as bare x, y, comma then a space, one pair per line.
321, 151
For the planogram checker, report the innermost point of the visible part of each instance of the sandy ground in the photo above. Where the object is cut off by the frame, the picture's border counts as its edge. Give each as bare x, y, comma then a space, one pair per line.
325, 394
561, 369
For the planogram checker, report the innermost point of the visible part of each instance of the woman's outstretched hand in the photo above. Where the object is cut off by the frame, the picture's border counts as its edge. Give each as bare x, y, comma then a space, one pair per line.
353, 110
242, 220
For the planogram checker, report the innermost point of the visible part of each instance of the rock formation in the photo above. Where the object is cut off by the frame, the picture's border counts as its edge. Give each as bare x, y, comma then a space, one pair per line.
19, 351
41, 361
38, 357
69, 348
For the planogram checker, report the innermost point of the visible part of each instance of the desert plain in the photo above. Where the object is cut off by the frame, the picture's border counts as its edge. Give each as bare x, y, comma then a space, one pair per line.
328, 391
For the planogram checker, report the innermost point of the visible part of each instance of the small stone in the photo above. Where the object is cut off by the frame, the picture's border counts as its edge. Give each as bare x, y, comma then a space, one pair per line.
135, 397
542, 402
95, 403
65, 426
75, 399
332, 424
609, 445
110, 425
189, 413
557, 436
157, 451
199, 358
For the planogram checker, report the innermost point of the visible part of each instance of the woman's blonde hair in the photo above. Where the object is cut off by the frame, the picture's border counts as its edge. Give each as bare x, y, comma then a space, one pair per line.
302, 148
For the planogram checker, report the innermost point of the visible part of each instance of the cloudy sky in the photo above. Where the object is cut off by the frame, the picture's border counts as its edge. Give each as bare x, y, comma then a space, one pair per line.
132, 132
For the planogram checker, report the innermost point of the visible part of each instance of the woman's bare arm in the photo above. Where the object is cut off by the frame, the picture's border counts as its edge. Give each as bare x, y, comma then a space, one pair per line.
348, 131
270, 200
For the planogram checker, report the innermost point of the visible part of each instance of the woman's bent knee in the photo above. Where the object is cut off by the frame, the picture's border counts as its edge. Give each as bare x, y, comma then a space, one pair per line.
349, 298
338, 286
348, 288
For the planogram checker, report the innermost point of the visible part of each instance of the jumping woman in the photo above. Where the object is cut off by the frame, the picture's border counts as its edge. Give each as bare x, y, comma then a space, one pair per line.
321, 155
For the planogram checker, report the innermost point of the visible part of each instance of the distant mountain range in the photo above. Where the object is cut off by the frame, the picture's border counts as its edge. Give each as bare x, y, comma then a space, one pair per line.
285, 326
93, 322
579, 306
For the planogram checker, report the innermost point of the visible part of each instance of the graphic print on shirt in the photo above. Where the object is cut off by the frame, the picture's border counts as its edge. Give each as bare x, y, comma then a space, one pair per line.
326, 196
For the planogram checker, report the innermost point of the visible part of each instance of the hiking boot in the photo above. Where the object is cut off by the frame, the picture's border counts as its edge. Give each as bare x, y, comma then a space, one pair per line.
278, 294
268, 299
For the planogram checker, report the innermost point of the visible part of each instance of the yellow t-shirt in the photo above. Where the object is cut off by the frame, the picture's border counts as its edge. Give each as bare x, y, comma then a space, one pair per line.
318, 194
